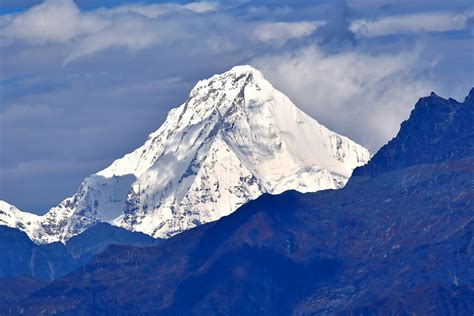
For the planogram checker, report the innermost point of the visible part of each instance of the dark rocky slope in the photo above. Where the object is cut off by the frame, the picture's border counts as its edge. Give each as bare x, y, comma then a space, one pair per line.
438, 130
14, 290
85, 246
20, 257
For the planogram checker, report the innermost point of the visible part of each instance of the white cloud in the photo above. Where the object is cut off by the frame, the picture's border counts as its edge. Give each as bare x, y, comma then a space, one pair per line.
157, 10
133, 27
128, 32
356, 93
201, 7
136, 27
53, 21
412, 23
281, 32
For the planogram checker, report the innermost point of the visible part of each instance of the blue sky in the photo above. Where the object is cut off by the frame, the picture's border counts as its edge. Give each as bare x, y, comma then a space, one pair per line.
84, 82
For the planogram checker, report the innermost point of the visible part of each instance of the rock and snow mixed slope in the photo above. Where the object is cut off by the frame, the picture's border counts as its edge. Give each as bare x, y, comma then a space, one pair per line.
30, 223
235, 138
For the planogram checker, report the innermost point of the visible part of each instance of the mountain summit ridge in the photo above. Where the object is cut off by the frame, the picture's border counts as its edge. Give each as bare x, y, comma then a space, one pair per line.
233, 139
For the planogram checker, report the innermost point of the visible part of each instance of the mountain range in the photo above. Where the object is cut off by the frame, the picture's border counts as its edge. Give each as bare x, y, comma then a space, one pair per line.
233, 139
19, 256
396, 240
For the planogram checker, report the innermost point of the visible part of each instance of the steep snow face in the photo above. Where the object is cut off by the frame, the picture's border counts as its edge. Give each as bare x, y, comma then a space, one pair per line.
234, 138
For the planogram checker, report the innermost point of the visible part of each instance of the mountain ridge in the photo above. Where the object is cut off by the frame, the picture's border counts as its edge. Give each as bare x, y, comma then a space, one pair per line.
429, 114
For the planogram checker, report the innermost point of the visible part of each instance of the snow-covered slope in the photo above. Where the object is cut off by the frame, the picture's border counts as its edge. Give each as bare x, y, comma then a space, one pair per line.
24, 221
234, 138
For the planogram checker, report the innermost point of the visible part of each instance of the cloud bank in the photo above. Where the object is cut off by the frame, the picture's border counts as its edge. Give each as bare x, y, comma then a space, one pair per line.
136, 27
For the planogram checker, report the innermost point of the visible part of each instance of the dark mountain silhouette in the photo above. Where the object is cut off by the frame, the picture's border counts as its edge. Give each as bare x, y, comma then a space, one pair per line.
397, 240
85, 246
19, 256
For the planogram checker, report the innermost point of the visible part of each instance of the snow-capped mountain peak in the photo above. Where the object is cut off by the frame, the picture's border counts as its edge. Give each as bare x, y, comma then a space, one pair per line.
191, 111
234, 138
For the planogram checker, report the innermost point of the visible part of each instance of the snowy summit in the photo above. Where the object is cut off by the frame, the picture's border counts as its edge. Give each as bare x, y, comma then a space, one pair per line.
235, 138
